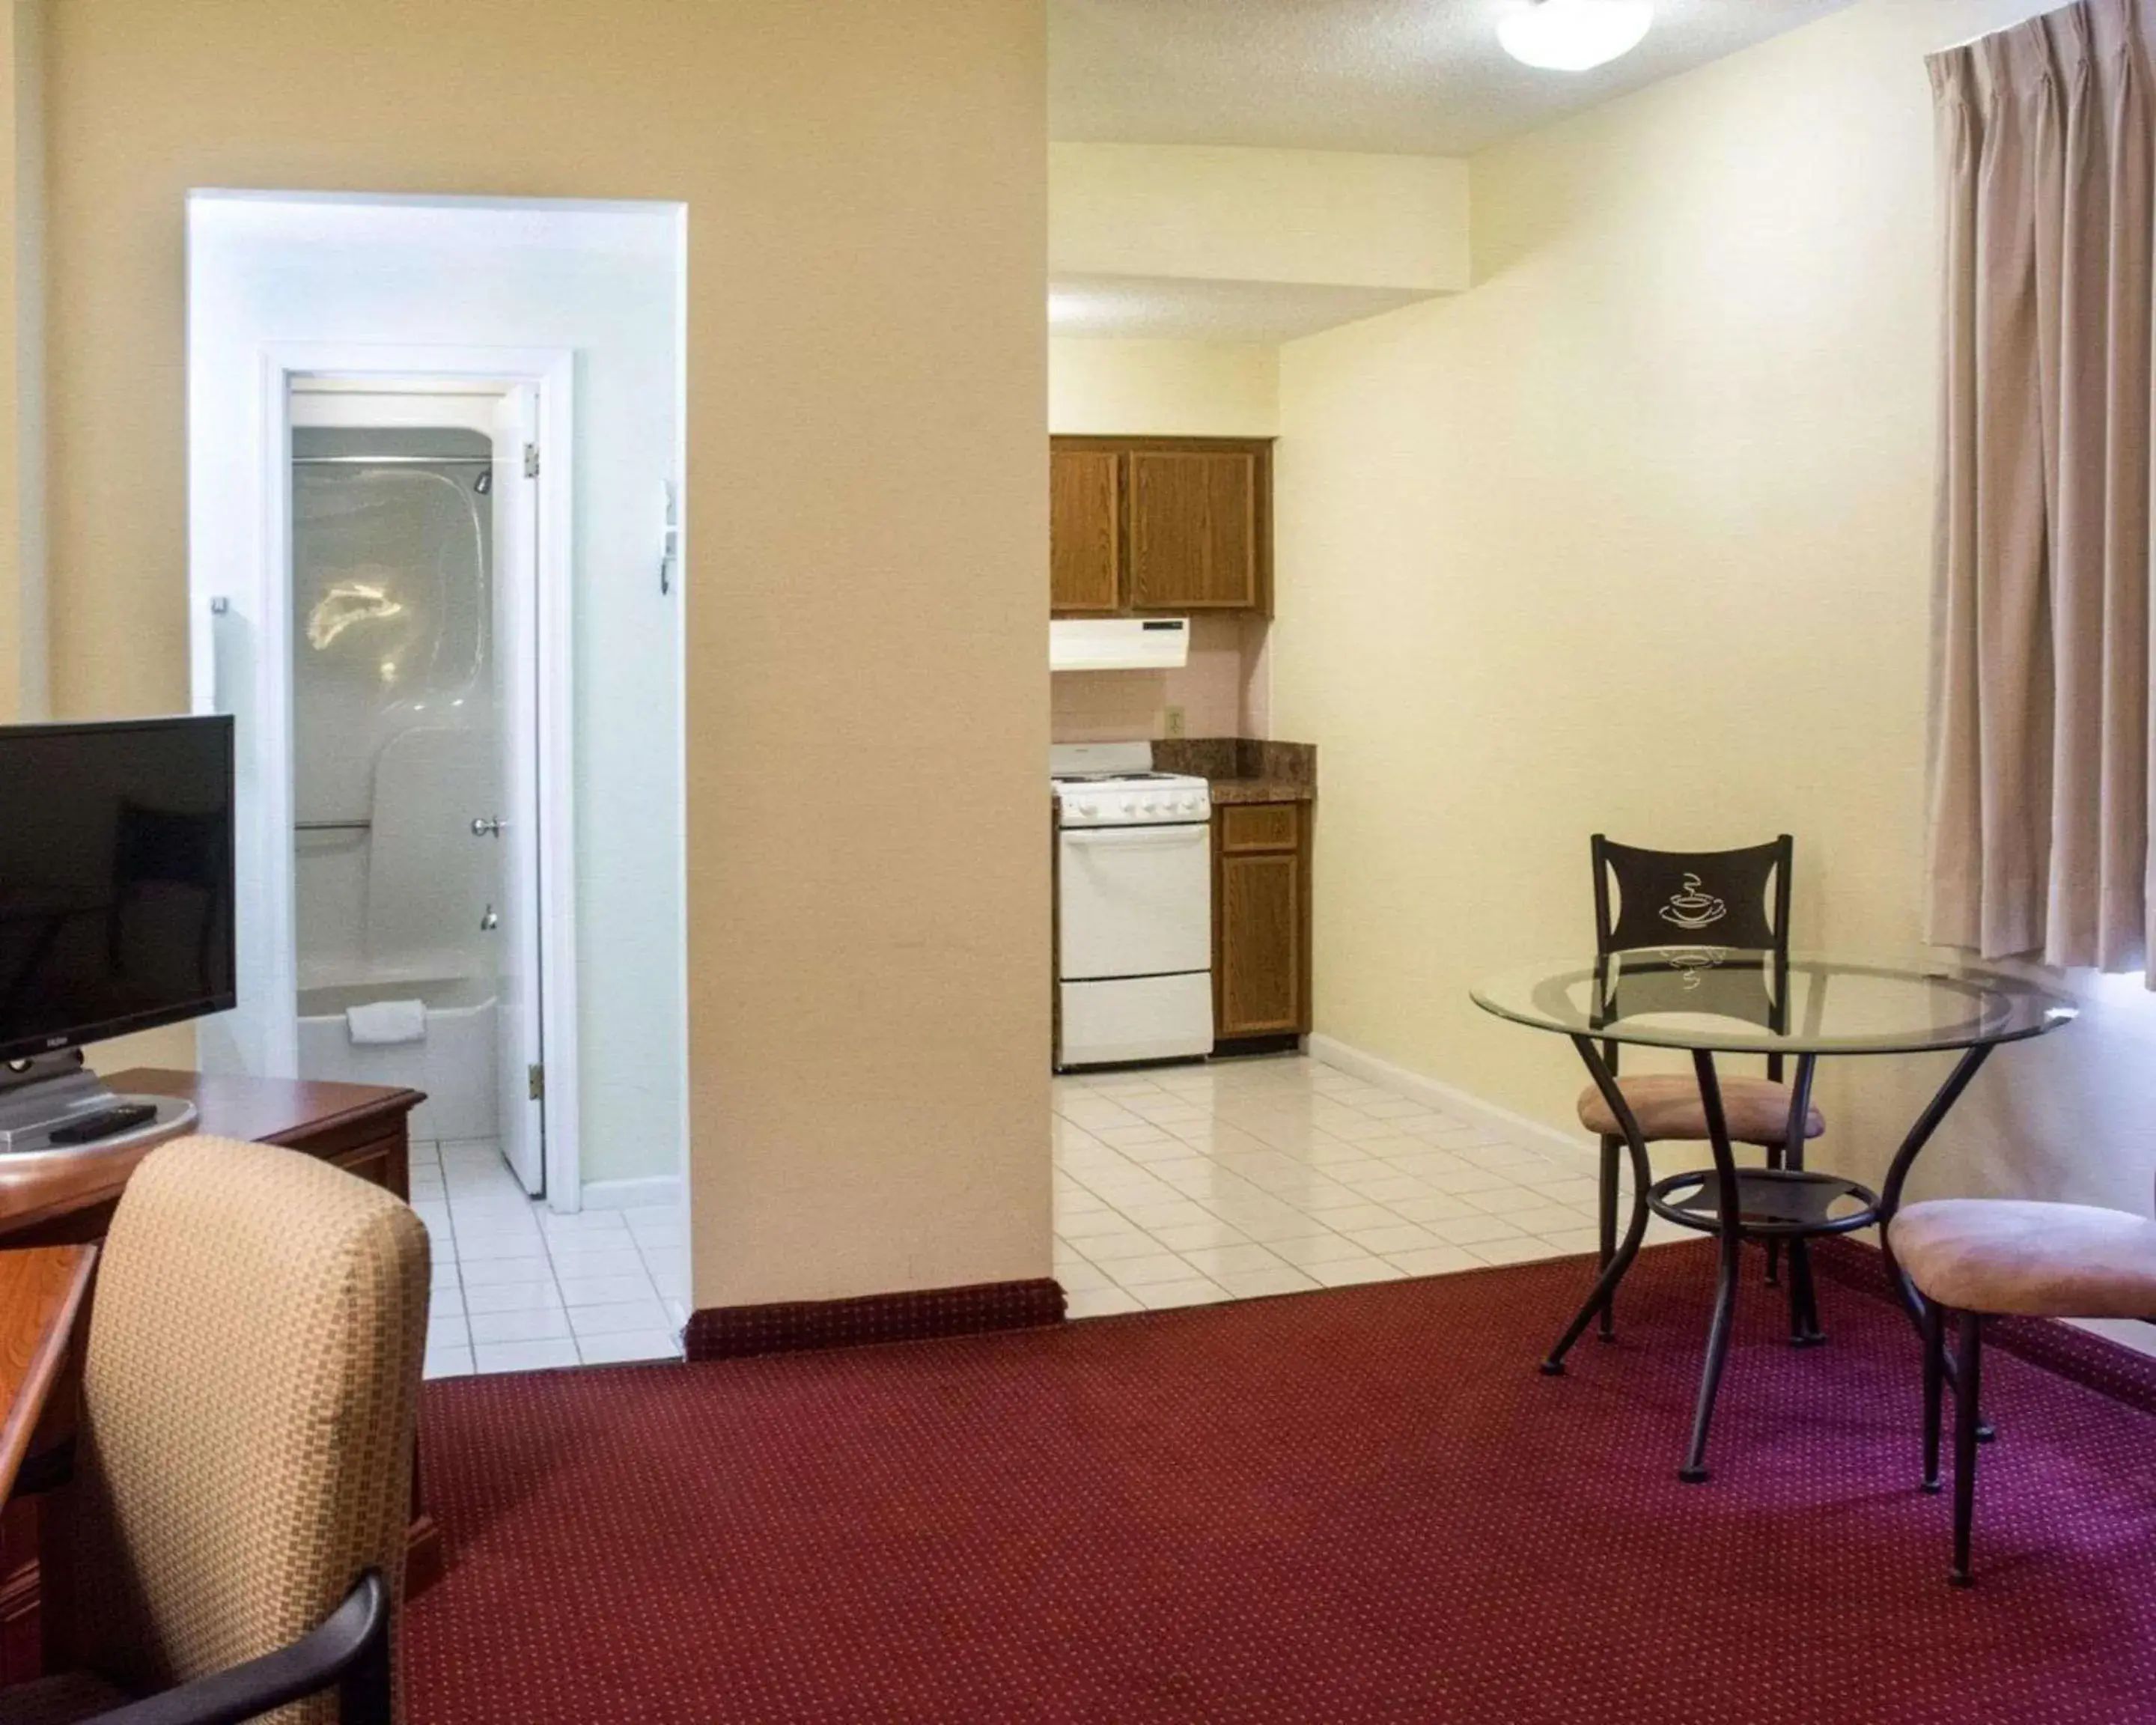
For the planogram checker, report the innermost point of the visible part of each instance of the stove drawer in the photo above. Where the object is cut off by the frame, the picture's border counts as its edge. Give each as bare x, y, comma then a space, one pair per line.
1148, 1018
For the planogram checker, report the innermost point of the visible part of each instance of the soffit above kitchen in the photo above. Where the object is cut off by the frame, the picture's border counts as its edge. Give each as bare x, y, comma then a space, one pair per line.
1388, 77
1187, 242
1256, 171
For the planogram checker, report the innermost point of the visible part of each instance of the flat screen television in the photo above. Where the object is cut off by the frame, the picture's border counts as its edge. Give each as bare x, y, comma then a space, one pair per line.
115, 879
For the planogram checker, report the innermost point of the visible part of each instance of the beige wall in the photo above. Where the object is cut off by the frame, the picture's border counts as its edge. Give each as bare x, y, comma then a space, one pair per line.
1634, 536
23, 660
866, 487
1109, 387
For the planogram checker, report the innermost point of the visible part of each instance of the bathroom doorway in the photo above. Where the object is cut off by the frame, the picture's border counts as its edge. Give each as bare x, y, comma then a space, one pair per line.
435, 449
419, 823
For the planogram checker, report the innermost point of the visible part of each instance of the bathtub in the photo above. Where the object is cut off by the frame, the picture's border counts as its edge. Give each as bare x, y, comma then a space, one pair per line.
454, 1066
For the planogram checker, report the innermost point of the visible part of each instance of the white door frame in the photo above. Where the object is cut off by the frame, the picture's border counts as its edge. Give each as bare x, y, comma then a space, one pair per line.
266, 593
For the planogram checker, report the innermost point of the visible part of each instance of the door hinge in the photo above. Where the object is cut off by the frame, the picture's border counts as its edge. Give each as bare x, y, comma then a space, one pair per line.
532, 460
535, 1079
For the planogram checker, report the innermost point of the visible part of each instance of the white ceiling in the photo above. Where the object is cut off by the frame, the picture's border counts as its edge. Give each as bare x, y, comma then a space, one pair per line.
1413, 77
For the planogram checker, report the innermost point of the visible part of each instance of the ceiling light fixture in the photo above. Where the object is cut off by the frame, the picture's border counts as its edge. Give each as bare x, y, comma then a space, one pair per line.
1574, 35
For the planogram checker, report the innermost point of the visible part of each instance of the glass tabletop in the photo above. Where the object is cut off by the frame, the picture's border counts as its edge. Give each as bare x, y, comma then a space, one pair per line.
1736, 1002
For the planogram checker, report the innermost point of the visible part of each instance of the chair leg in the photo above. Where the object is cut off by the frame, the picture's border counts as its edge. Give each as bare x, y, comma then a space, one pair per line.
1607, 1327
1605, 1285
1968, 1370
1694, 1471
1935, 1384
1774, 1246
1805, 1330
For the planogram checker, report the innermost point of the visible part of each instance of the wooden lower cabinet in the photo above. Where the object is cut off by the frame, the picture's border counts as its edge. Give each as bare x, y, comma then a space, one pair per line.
1260, 922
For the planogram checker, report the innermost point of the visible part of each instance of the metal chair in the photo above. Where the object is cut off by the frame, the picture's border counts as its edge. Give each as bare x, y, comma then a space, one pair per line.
1974, 1257
1713, 901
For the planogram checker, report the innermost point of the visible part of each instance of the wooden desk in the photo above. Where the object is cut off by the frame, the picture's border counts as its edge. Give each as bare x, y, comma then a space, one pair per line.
41, 1292
362, 1128
67, 1204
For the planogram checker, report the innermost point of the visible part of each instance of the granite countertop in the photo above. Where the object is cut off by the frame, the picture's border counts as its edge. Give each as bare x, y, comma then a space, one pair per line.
1243, 769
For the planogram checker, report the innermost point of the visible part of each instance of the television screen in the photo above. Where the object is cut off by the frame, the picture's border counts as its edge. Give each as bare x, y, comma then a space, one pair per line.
115, 879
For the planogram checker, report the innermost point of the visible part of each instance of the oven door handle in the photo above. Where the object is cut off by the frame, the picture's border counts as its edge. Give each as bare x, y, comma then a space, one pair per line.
1181, 833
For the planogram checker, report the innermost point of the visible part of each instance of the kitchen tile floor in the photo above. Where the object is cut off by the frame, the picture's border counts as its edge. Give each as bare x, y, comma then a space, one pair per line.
1182, 1185
517, 1287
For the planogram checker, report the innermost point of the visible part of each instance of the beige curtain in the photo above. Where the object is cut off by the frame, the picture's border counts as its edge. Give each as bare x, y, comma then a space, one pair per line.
2041, 752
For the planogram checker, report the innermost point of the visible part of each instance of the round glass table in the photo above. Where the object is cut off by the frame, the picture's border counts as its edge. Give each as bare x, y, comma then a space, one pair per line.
1707, 1001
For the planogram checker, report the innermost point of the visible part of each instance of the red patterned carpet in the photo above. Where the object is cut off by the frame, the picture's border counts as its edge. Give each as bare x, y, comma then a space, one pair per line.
1352, 1506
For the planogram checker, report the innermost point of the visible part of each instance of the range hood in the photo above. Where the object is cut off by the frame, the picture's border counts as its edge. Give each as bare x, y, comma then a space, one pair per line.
1118, 644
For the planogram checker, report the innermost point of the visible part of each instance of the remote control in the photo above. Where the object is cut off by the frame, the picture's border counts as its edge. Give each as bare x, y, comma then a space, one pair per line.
106, 1123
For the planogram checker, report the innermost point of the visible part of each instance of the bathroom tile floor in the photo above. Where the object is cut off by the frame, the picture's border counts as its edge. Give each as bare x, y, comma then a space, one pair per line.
518, 1288
1181, 1185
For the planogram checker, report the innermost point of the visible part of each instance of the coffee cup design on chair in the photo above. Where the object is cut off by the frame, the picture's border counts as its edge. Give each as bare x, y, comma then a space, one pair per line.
1692, 908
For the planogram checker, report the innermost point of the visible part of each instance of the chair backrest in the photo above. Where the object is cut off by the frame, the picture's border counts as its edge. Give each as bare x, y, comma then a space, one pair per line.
1708, 898
250, 1394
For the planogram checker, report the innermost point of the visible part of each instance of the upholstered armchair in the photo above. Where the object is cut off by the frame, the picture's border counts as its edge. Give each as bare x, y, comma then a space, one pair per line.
235, 1523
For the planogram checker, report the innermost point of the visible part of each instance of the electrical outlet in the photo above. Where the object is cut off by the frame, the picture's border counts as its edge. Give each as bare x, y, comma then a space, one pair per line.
1172, 724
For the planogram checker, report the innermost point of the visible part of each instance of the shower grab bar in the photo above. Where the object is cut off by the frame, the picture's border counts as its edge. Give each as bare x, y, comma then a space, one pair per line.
220, 607
332, 826
390, 460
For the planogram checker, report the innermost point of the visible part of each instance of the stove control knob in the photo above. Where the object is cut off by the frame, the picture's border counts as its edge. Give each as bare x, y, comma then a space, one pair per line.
1084, 811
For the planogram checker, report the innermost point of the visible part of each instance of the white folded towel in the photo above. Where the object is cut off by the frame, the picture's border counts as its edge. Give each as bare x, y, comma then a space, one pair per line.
381, 1021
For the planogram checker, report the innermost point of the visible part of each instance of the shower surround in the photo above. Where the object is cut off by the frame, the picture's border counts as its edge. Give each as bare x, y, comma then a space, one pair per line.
397, 753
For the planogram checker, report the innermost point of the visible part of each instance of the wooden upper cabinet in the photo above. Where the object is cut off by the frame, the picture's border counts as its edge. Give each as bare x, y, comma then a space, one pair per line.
1159, 524
1084, 530
1194, 530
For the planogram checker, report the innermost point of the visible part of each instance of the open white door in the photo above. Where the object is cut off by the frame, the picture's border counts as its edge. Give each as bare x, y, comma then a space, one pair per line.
514, 826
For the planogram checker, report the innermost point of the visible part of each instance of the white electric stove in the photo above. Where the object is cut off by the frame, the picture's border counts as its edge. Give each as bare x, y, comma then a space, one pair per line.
1134, 908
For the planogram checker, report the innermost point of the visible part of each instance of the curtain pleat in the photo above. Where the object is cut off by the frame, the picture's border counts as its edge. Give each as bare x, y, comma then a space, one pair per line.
2042, 755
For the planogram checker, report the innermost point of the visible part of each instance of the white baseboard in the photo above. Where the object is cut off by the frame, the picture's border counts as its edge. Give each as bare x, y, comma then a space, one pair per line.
2126, 1332
632, 1194
1446, 1098
2130, 1333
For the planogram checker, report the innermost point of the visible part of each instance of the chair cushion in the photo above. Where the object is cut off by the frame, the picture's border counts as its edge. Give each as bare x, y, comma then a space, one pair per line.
64, 1700
1667, 1105
2027, 1258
